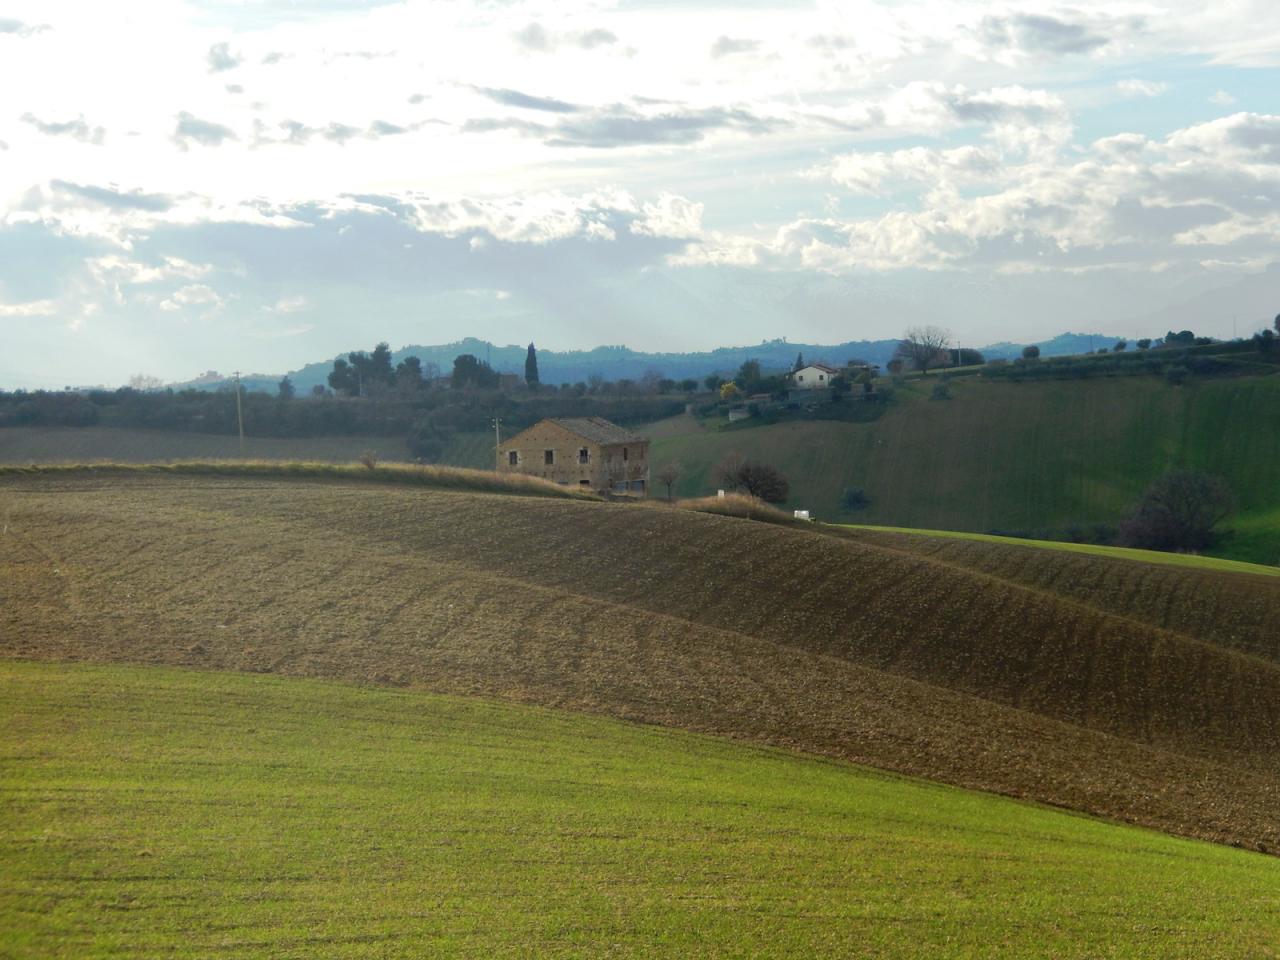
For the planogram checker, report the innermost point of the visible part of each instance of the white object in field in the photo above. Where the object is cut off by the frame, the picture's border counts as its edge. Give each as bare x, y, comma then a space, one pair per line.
720, 494
802, 514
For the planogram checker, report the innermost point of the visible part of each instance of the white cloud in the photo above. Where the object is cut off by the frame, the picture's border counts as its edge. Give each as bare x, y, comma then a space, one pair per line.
1134, 87
33, 308
290, 305
192, 295
1222, 98
670, 216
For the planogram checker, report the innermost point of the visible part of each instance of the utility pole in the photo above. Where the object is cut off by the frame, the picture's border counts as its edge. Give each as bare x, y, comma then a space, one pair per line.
497, 436
239, 414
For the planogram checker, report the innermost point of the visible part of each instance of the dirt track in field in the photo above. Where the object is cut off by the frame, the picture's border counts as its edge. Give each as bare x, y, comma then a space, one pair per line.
962, 668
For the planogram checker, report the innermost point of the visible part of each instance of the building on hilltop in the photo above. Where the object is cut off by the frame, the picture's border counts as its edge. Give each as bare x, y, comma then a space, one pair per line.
586, 452
814, 376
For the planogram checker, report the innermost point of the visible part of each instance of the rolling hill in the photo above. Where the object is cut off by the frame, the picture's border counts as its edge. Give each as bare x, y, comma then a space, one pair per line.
1014, 675
288, 817
1015, 457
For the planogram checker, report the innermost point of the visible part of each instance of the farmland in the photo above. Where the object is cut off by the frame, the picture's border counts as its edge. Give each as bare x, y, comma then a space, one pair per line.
1018, 456
124, 445
1145, 693
290, 817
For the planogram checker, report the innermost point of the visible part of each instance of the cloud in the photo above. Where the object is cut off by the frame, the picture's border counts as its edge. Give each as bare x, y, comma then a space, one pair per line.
33, 308
234, 88
1140, 88
77, 129
193, 295
114, 199
221, 58
514, 98
289, 305
621, 126
875, 173
727, 46
671, 216
116, 269
272, 58
1038, 33
599, 37
297, 134
18, 28
535, 38
191, 129
1203, 192
1222, 98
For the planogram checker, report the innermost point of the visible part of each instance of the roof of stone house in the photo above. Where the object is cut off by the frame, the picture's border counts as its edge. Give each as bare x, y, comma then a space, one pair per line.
819, 366
598, 430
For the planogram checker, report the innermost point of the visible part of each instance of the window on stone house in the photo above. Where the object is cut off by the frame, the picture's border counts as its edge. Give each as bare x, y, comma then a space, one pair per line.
624, 453
513, 458
549, 457
584, 455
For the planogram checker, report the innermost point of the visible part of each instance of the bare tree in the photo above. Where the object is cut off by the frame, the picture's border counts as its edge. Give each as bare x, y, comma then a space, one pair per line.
727, 470
668, 475
924, 347
144, 381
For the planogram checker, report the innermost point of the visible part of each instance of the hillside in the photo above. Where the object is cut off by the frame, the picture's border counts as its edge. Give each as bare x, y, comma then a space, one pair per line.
620, 362
1010, 457
954, 668
287, 817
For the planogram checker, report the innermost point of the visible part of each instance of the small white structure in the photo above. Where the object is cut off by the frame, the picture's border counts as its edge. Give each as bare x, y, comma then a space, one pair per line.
802, 514
815, 376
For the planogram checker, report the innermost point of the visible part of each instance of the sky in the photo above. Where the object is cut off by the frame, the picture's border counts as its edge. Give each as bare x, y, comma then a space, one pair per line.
258, 184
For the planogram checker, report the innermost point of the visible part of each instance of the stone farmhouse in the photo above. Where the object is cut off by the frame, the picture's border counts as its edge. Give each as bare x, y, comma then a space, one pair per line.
587, 452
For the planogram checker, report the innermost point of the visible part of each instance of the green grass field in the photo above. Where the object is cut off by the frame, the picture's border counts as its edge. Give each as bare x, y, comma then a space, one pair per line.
1091, 549
1010, 456
158, 812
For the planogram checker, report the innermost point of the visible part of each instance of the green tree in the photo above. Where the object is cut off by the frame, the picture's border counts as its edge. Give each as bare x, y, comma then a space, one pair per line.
531, 368
409, 375
343, 379
1179, 511
284, 389
471, 372
1031, 352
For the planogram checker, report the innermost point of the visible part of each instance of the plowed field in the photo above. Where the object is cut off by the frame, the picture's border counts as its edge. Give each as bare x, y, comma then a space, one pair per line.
967, 670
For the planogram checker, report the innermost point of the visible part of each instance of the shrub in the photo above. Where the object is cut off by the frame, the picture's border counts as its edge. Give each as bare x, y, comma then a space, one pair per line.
1178, 512
941, 391
854, 498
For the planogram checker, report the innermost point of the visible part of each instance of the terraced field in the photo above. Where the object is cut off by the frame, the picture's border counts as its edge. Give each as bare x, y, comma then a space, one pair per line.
973, 668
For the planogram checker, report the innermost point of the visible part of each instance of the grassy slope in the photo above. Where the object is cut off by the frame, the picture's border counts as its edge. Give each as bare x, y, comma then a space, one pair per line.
287, 817
1192, 560
86, 444
1021, 456
955, 670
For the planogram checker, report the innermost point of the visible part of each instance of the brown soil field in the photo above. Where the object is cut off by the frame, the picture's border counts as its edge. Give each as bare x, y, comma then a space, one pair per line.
960, 667
1236, 610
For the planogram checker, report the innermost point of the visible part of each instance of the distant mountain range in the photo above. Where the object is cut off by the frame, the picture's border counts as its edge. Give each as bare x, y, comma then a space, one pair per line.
619, 362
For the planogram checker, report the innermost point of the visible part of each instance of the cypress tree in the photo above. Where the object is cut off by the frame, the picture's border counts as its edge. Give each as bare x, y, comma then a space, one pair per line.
531, 368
